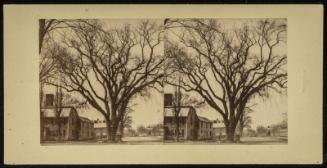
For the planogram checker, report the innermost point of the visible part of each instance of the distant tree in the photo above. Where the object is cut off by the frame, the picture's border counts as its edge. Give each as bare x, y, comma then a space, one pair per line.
126, 122
142, 129
131, 132
155, 129
284, 124
261, 130
245, 120
280, 127
250, 132
275, 129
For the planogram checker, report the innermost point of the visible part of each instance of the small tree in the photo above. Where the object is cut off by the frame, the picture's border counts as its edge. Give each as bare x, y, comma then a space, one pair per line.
156, 129
245, 120
126, 122
131, 131
177, 105
141, 129
284, 124
250, 132
261, 130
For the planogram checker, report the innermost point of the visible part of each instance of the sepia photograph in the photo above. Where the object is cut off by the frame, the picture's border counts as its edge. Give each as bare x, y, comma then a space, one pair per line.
163, 81
163, 84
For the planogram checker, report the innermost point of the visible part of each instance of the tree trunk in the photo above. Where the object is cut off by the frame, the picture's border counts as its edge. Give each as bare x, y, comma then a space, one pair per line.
108, 130
41, 33
41, 114
177, 129
112, 127
114, 133
121, 127
58, 133
241, 130
230, 130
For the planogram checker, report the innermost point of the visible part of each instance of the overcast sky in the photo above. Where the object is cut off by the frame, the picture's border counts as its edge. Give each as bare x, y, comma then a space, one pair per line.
149, 110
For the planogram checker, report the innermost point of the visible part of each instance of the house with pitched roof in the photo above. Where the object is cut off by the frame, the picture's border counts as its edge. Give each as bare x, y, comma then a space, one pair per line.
60, 123
191, 125
187, 124
63, 123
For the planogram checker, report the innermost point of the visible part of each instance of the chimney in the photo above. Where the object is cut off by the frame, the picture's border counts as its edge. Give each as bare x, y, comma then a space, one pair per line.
168, 99
49, 99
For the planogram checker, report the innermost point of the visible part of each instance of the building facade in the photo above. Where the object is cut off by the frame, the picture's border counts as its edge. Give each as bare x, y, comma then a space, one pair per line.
63, 123
100, 129
86, 129
205, 130
188, 126
219, 129
60, 124
191, 126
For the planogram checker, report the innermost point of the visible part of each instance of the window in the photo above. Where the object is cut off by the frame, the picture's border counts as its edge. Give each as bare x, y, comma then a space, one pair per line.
49, 98
168, 99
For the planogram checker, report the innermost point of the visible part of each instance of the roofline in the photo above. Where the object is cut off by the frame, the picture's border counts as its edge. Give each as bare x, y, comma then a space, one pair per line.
85, 118
204, 118
196, 114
